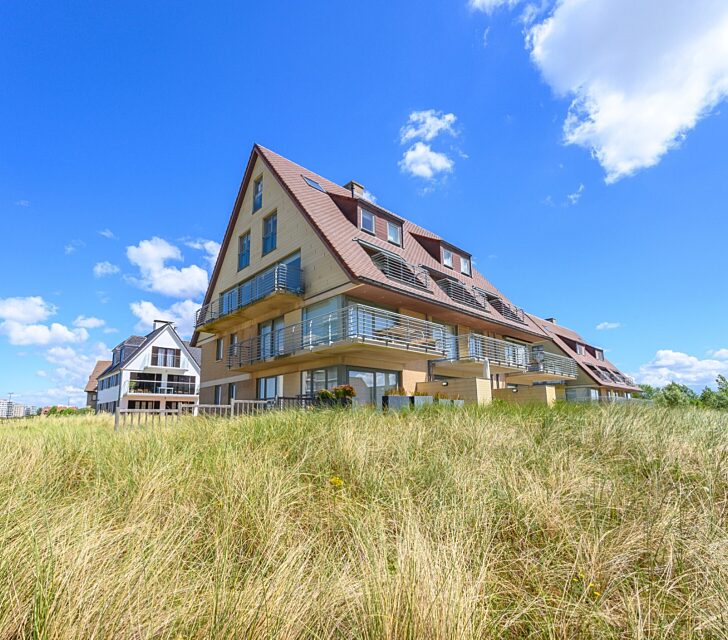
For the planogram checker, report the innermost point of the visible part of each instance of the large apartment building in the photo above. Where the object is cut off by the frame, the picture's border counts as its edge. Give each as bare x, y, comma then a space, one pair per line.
156, 371
316, 286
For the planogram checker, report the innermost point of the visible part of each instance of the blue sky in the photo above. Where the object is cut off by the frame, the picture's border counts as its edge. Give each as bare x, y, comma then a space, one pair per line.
577, 150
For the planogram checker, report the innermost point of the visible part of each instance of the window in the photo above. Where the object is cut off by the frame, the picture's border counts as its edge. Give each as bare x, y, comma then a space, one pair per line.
258, 194
232, 391
599, 354
465, 265
271, 337
270, 231
580, 349
367, 221
217, 394
163, 357
233, 339
219, 347
268, 388
314, 184
447, 258
181, 384
371, 385
394, 233
317, 379
244, 251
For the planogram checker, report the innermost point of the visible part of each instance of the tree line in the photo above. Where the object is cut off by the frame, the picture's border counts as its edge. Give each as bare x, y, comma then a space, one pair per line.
674, 395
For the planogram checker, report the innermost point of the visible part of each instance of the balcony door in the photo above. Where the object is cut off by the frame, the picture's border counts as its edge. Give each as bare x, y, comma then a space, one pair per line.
271, 336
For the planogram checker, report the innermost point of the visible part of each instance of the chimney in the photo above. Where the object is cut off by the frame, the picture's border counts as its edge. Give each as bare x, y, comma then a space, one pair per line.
160, 323
357, 190
551, 320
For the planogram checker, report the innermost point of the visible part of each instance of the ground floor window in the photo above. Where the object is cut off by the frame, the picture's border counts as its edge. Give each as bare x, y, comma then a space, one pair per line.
217, 398
232, 391
270, 387
144, 404
315, 380
371, 384
108, 407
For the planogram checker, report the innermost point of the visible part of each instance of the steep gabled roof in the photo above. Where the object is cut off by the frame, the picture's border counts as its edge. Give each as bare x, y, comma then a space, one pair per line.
563, 335
139, 343
93, 379
347, 242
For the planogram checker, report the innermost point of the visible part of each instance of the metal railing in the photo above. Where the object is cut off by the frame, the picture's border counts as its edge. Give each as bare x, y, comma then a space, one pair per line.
397, 269
160, 388
281, 278
459, 292
473, 346
542, 361
613, 377
355, 322
508, 310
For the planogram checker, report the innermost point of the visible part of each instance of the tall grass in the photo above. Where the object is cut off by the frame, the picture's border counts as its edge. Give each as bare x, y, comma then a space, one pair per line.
605, 522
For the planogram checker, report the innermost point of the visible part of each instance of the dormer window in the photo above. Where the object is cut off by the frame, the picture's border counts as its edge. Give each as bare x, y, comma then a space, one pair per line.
257, 194
465, 266
580, 349
394, 233
447, 258
367, 221
599, 354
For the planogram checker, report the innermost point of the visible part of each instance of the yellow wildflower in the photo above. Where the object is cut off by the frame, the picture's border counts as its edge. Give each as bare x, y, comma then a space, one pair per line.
336, 482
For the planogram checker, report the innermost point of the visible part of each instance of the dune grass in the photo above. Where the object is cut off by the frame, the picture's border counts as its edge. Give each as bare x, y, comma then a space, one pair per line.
498, 522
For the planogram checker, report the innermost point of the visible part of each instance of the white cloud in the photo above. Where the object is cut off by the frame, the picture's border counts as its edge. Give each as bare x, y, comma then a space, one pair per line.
150, 256
606, 326
490, 5
22, 203
107, 233
486, 33
640, 75
421, 161
427, 125
573, 198
72, 246
368, 195
88, 322
40, 334
41, 373
182, 314
110, 330
26, 310
210, 247
102, 269
675, 366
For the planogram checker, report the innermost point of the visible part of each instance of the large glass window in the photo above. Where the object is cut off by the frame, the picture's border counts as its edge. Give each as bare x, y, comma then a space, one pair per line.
258, 194
270, 233
317, 379
244, 251
371, 385
269, 388
164, 357
272, 338
447, 258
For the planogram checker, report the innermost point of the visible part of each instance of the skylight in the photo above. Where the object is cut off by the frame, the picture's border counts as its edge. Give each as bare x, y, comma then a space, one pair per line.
314, 184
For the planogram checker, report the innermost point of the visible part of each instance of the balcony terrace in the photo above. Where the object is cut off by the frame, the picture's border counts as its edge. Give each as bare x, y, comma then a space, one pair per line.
150, 387
355, 327
269, 289
397, 269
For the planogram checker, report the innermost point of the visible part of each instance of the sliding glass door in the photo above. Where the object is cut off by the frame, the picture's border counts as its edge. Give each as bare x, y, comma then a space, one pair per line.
370, 385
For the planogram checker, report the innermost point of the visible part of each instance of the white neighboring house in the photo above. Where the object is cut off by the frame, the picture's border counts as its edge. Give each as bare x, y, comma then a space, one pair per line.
156, 371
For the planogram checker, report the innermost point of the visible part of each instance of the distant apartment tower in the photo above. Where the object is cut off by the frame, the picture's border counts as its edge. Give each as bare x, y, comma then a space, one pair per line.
156, 371
6, 408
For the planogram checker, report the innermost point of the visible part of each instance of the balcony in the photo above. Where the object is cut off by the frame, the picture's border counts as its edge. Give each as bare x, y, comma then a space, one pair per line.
551, 364
150, 387
397, 269
355, 327
613, 377
459, 292
281, 282
508, 310
471, 352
